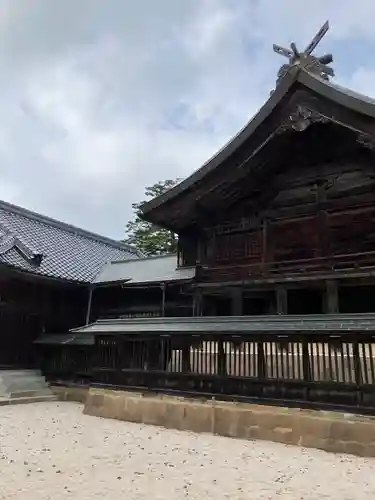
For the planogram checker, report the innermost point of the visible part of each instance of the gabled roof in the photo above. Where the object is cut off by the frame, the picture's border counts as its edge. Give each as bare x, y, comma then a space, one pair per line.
296, 78
34, 243
158, 269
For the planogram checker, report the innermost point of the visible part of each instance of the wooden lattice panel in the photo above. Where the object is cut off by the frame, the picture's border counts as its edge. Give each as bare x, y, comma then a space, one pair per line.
239, 246
294, 239
352, 231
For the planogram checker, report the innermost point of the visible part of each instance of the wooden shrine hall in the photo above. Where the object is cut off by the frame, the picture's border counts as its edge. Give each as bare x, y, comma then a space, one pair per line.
277, 237
282, 219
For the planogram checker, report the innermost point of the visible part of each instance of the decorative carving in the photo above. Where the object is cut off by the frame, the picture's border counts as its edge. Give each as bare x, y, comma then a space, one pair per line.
300, 119
366, 140
321, 187
315, 65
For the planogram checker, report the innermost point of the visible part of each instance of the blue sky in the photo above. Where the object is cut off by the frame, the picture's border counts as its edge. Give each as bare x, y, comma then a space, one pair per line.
101, 98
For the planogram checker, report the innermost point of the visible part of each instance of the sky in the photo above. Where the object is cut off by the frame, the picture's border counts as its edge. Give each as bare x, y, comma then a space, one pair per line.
101, 98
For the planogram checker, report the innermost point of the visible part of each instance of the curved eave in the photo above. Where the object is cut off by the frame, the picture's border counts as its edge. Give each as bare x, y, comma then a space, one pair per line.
341, 95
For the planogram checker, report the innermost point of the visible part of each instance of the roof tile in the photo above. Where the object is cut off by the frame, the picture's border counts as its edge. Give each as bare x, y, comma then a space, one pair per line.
68, 252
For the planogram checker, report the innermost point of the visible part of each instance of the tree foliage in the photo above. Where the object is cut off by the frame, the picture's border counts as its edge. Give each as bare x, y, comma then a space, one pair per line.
144, 235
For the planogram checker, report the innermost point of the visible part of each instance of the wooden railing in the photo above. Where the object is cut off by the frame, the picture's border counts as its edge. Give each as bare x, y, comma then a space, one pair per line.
67, 364
243, 271
335, 371
317, 361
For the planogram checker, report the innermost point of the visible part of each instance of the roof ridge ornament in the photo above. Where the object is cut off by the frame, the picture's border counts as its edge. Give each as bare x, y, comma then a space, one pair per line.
316, 65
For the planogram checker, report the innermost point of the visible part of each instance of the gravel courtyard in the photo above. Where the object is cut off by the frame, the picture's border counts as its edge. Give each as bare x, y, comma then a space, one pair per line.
52, 451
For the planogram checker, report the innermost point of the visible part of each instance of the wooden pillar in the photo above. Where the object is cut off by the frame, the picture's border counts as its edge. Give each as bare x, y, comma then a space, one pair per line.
236, 302
331, 297
163, 287
262, 363
186, 365
89, 304
199, 257
281, 300
264, 243
306, 366
197, 302
321, 196
221, 359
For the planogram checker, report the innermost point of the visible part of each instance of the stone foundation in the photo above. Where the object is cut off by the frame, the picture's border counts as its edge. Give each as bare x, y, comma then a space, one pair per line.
65, 393
329, 431
23, 386
23, 383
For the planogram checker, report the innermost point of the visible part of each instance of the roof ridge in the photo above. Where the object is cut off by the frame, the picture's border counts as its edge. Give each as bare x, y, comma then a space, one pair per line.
67, 227
332, 91
229, 146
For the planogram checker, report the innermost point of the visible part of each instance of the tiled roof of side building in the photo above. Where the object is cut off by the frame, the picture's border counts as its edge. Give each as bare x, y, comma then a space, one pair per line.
38, 244
293, 323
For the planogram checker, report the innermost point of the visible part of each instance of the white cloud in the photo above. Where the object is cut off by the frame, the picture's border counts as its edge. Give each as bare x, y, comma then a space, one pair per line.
99, 100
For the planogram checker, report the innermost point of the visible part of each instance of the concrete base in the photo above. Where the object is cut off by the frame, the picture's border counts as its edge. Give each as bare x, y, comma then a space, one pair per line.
24, 385
65, 393
329, 431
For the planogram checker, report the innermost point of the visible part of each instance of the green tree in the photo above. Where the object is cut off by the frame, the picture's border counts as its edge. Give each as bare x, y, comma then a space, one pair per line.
148, 238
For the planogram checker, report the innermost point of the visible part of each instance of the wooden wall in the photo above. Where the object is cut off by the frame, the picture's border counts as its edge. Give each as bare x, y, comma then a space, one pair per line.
314, 217
30, 307
140, 301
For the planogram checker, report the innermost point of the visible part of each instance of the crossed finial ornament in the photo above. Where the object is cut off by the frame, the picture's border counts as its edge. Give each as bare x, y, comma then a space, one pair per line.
316, 65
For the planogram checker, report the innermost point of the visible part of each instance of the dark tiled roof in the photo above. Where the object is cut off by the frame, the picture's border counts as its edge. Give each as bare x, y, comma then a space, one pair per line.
64, 339
38, 244
148, 270
314, 323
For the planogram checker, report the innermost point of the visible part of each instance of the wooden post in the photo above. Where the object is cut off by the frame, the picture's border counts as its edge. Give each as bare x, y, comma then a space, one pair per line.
186, 365
197, 302
281, 300
321, 197
194, 302
282, 308
89, 304
236, 302
221, 359
262, 364
199, 256
264, 243
163, 289
306, 367
331, 297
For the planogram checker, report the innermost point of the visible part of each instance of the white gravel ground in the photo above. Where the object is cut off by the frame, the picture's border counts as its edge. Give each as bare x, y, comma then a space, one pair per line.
52, 451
